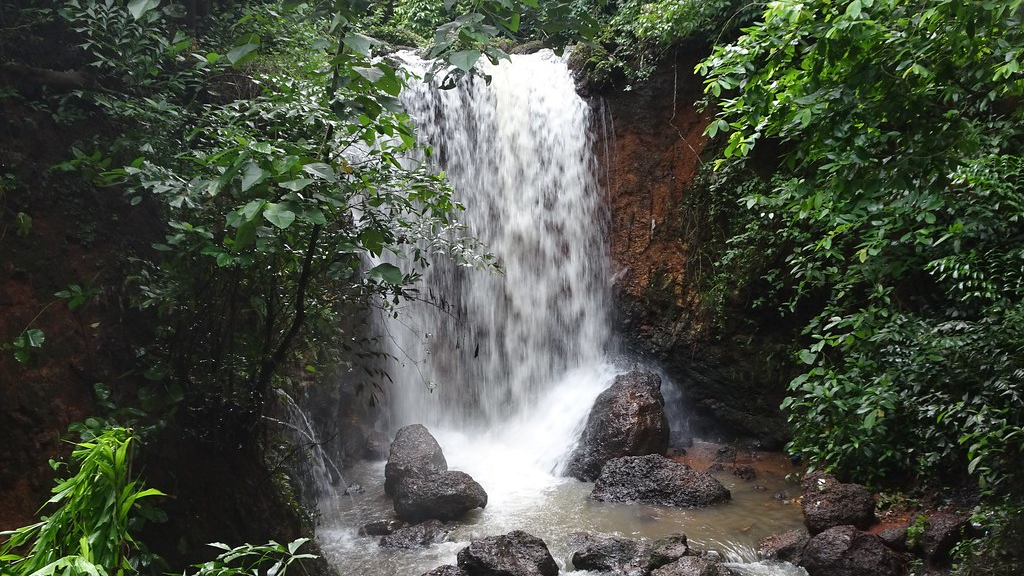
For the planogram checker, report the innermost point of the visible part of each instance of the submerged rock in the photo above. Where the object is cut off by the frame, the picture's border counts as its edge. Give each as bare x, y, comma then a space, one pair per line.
828, 502
693, 566
418, 536
657, 480
442, 496
380, 527
514, 554
628, 419
414, 453
611, 554
446, 570
846, 551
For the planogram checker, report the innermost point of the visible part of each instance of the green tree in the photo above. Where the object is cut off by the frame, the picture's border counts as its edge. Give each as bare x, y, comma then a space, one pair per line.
894, 130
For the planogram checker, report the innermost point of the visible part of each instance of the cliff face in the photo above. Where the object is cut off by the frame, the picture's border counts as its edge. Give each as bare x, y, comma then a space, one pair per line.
660, 236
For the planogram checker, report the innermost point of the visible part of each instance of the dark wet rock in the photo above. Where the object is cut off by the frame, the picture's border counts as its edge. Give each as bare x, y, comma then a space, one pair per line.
612, 554
353, 489
375, 446
744, 472
657, 480
414, 453
828, 503
667, 550
442, 496
693, 566
846, 551
514, 554
943, 531
786, 547
418, 536
628, 419
380, 527
895, 538
725, 454
446, 570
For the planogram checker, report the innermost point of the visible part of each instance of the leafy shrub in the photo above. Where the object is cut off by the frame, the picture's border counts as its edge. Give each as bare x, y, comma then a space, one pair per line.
898, 213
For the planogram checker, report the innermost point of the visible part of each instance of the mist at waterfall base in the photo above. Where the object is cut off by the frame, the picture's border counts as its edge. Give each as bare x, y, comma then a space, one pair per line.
504, 368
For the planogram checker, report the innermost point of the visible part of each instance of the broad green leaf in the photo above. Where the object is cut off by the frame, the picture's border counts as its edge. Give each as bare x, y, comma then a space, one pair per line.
321, 170
359, 43
853, 9
250, 210
240, 55
245, 235
34, 337
278, 215
807, 357
373, 74
252, 175
388, 273
138, 8
297, 184
464, 59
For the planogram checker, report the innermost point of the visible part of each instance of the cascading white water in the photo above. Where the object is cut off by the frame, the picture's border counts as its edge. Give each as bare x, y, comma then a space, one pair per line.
503, 369
486, 346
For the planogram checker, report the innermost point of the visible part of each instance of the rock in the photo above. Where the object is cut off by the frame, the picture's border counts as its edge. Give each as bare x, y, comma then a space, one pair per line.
375, 446
726, 454
828, 503
614, 554
667, 550
895, 538
414, 452
380, 527
354, 489
744, 472
628, 419
446, 570
846, 551
514, 554
693, 566
943, 531
443, 496
418, 536
657, 480
786, 547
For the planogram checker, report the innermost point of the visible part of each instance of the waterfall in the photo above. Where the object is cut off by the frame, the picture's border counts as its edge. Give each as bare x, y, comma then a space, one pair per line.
482, 348
504, 368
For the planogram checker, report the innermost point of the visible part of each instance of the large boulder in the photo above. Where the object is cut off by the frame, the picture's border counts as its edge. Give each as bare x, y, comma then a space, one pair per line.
828, 502
693, 566
414, 453
846, 551
943, 531
418, 536
628, 419
442, 496
657, 480
610, 554
514, 554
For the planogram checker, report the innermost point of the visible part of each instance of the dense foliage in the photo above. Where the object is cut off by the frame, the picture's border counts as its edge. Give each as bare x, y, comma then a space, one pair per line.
894, 131
90, 520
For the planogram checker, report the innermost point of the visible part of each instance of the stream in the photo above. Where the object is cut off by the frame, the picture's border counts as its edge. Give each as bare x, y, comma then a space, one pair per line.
504, 368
